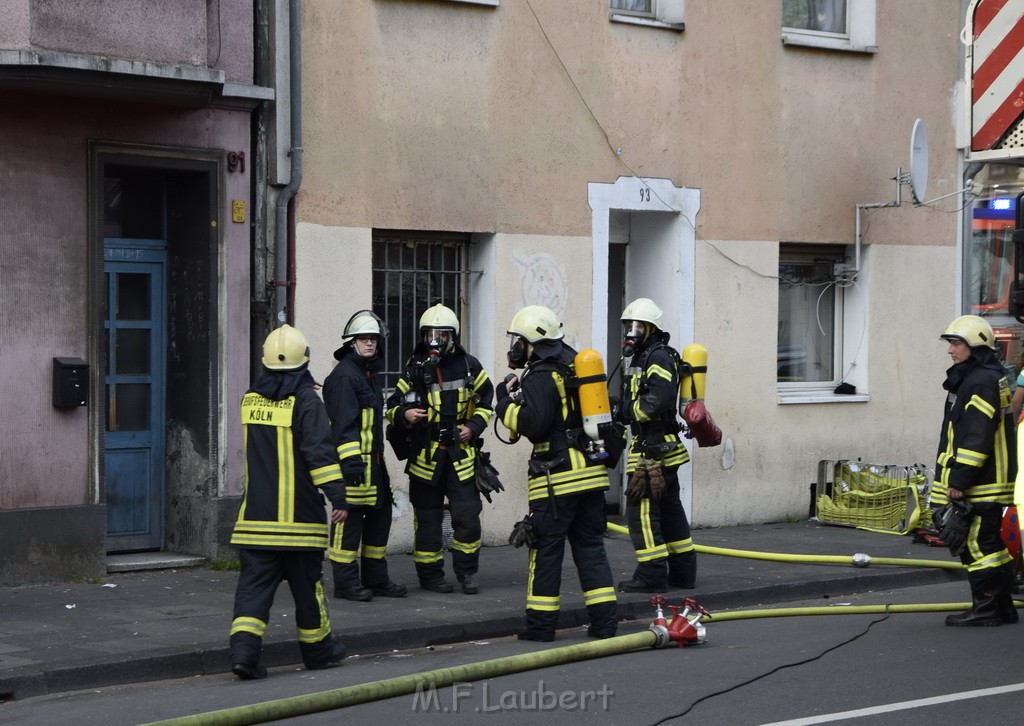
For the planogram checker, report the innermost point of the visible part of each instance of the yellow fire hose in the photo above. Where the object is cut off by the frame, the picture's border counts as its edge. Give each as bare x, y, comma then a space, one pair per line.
404, 685
857, 560
443, 677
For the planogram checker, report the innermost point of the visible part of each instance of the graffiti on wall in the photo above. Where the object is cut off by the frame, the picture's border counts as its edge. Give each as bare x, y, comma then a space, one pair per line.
542, 282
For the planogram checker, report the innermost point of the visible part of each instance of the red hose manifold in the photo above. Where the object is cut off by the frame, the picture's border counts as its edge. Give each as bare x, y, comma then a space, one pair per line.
681, 630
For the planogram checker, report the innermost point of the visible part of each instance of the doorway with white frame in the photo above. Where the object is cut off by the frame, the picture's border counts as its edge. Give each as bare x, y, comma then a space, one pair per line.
644, 240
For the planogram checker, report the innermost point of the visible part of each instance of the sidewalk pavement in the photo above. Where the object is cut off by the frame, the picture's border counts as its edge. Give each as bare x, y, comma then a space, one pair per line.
140, 626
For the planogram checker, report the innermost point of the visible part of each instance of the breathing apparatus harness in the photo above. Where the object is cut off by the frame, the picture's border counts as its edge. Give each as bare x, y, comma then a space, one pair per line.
423, 374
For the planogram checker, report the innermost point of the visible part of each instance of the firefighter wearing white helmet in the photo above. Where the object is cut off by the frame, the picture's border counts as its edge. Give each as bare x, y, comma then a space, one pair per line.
441, 406
281, 530
566, 487
976, 469
353, 394
658, 526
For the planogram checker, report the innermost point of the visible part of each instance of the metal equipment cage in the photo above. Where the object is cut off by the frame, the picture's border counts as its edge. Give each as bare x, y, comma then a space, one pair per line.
890, 498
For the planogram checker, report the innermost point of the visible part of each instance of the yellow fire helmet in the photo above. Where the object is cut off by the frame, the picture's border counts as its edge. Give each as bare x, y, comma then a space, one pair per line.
535, 323
971, 329
440, 317
285, 349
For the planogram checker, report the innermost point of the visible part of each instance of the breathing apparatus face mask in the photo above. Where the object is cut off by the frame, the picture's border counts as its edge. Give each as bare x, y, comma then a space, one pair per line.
634, 335
438, 341
518, 351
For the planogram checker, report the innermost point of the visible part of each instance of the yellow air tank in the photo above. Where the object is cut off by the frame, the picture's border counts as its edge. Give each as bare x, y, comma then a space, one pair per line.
694, 378
593, 392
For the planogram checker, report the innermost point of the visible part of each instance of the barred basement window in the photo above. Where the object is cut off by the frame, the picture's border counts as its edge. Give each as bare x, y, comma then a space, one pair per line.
411, 272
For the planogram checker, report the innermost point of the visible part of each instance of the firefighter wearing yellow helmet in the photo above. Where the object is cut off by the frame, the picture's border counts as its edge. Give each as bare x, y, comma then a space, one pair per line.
281, 530
443, 403
658, 526
976, 468
353, 394
566, 486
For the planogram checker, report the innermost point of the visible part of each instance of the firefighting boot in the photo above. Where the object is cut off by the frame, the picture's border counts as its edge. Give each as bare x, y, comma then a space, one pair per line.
985, 609
682, 570
1007, 610
983, 613
540, 626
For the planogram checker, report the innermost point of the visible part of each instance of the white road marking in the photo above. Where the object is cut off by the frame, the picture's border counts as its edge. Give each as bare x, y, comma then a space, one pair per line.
901, 706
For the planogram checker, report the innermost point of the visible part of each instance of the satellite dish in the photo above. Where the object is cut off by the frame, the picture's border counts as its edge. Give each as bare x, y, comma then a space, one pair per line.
918, 162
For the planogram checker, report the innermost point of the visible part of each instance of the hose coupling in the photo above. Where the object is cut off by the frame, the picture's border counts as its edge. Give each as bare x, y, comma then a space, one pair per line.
661, 636
861, 560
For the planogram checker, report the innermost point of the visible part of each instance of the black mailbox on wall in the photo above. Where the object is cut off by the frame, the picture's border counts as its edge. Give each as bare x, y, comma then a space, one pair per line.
70, 382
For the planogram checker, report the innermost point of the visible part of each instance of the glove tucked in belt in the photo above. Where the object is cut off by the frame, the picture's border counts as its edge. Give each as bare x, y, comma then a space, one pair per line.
953, 522
647, 479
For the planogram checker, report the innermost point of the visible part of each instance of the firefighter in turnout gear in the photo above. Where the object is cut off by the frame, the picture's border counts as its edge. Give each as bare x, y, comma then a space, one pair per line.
443, 401
976, 469
657, 521
566, 487
281, 532
354, 398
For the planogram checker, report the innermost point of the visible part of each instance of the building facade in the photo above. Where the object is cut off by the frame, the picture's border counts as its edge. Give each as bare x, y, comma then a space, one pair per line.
126, 148
719, 158
180, 179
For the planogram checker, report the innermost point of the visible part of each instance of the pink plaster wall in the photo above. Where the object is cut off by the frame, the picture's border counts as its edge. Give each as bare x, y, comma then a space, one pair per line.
14, 29
184, 32
43, 232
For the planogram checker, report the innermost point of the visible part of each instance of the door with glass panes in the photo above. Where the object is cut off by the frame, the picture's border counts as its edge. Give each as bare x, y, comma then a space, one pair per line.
136, 344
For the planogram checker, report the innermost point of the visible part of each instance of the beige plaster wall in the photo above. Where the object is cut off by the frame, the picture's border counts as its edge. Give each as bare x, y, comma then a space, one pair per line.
333, 281
776, 448
451, 116
448, 116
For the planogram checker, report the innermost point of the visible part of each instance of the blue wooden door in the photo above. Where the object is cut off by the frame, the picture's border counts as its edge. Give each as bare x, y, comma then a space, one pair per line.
136, 340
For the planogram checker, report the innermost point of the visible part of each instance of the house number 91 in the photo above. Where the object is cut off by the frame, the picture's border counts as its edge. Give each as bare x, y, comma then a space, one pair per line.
236, 161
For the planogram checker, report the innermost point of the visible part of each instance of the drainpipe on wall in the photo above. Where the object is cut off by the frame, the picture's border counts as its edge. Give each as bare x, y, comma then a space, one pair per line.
284, 237
259, 296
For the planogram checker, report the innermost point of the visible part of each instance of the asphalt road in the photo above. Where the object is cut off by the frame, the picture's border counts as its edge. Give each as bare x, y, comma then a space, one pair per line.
906, 669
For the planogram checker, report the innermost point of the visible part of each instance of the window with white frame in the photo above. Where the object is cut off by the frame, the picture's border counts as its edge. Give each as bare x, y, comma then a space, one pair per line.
634, 7
810, 333
413, 271
832, 24
654, 13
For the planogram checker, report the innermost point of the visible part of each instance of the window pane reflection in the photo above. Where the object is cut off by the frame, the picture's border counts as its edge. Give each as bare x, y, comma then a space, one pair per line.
132, 351
128, 407
133, 296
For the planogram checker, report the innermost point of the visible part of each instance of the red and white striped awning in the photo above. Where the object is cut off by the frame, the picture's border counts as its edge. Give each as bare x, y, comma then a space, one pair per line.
997, 70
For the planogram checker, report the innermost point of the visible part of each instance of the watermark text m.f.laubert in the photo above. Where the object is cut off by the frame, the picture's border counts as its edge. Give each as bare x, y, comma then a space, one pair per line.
483, 698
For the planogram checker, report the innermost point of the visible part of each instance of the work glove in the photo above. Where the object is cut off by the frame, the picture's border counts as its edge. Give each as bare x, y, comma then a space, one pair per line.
354, 470
486, 476
637, 486
523, 533
655, 481
516, 393
953, 521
